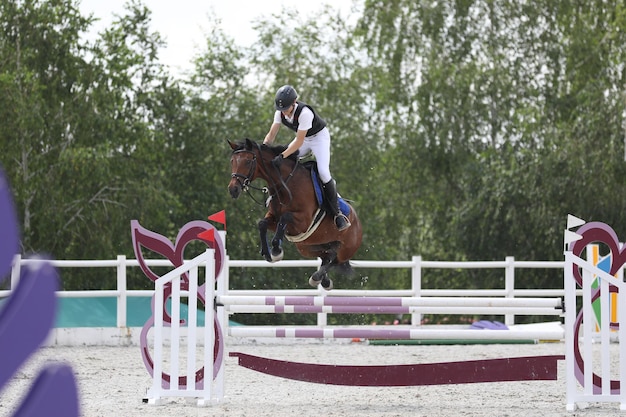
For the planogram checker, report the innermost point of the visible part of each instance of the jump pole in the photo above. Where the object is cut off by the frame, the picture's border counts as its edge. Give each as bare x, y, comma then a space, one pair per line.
390, 305
393, 310
391, 332
531, 368
554, 303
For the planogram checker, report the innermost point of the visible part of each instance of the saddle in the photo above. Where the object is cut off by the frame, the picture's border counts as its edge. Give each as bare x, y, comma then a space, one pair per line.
319, 192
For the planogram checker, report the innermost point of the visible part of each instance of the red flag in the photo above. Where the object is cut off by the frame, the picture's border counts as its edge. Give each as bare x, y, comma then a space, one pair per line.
208, 235
219, 217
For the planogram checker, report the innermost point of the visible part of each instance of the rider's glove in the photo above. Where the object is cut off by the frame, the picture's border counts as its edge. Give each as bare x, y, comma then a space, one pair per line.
278, 159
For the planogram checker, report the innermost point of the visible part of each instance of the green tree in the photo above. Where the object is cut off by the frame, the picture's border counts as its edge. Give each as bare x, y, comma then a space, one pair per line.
40, 73
494, 89
79, 145
511, 117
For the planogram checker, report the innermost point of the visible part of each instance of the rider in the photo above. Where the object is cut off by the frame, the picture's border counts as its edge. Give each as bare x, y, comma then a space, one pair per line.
311, 136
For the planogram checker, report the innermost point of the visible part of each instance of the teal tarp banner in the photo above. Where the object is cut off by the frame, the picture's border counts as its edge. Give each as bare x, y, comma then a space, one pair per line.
102, 312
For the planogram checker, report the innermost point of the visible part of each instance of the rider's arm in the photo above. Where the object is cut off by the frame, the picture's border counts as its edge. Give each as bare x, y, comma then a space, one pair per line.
271, 135
295, 144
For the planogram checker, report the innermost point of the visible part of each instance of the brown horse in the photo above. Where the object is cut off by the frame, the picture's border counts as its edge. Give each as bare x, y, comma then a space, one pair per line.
293, 210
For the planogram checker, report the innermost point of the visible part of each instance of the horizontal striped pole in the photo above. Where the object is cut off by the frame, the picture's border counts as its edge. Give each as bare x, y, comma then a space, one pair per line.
397, 332
358, 309
228, 300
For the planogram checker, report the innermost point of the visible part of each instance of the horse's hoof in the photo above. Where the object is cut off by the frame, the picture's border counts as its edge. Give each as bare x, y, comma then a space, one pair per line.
278, 256
321, 278
327, 283
316, 279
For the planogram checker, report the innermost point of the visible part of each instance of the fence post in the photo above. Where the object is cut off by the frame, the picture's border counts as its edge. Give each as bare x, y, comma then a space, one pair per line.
570, 320
209, 334
416, 286
15, 270
221, 287
122, 296
222, 283
509, 286
322, 318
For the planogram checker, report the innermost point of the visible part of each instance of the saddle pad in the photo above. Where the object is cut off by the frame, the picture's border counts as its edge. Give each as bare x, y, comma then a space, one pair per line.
319, 193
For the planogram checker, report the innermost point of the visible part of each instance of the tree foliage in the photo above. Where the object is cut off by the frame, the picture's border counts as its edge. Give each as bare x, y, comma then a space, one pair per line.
514, 108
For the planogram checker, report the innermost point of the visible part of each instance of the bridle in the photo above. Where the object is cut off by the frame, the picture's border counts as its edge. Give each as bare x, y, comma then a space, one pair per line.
245, 181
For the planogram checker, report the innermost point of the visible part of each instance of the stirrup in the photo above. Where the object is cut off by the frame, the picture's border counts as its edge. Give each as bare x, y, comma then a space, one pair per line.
342, 222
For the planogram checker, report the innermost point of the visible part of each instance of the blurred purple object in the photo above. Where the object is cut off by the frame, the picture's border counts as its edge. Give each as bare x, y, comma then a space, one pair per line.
27, 316
489, 325
9, 236
52, 395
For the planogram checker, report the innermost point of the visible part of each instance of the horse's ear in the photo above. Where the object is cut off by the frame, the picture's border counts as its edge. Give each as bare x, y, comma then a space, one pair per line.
233, 146
249, 144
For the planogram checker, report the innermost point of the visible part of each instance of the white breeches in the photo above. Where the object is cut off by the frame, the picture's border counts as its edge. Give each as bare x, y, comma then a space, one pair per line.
319, 145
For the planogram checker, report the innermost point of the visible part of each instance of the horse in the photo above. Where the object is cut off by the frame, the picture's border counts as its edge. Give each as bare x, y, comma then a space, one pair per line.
293, 209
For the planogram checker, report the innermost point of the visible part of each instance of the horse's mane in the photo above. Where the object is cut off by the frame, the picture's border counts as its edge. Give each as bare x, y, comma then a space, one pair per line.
274, 149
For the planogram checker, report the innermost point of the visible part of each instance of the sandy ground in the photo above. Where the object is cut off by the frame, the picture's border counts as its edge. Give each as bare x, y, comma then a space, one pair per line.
113, 381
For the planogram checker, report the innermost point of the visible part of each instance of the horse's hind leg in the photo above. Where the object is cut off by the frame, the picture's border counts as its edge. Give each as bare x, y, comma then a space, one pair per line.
321, 275
327, 283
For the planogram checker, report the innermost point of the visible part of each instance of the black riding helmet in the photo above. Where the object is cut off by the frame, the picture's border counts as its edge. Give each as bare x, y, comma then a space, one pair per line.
285, 97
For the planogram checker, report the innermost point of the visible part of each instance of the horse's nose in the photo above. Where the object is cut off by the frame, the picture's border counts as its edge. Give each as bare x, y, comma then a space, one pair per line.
234, 190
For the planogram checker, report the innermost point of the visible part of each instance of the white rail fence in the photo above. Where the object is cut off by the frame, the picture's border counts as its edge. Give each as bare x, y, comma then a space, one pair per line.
416, 265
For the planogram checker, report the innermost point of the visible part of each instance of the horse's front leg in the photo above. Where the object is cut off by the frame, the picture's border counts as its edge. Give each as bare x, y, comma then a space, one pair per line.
277, 249
263, 226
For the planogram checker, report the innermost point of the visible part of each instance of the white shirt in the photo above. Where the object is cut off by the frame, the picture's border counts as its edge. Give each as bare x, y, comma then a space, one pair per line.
305, 120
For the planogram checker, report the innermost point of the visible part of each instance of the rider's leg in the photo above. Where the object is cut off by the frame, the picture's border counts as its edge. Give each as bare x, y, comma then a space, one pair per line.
330, 192
320, 146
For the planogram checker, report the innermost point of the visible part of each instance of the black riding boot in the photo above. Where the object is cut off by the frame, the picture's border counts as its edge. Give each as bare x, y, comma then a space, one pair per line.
330, 191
